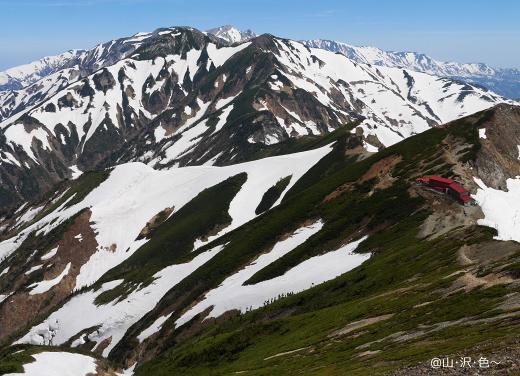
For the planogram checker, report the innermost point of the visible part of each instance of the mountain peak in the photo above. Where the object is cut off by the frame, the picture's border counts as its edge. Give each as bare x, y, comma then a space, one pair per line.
231, 34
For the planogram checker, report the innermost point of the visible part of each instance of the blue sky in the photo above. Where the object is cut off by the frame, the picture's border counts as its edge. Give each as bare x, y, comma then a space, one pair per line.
459, 30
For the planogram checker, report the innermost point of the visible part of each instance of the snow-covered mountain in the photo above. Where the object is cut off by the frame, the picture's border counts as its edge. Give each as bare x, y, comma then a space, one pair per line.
504, 81
185, 98
87, 61
27, 85
24, 75
231, 34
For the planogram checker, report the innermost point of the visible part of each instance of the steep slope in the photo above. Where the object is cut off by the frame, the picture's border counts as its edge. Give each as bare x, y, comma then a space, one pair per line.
184, 98
104, 218
504, 81
27, 85
199, 283
85, 123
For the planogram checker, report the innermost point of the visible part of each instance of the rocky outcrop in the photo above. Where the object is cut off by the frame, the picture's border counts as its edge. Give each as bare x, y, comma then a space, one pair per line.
499, 155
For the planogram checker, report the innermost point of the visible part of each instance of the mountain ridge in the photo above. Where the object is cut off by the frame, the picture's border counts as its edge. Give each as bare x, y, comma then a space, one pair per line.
21, 76
23, 86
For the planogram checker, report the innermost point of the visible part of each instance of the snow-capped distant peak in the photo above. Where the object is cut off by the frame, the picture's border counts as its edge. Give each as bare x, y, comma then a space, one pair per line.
504, 81
26, 74
405, 59
231, 34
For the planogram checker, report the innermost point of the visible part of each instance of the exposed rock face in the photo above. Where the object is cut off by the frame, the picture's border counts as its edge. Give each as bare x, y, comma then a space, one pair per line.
499, 156
60, 262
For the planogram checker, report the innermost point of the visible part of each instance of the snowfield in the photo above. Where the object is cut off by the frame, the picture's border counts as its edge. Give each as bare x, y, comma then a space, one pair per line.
59, 364
121, 206
501, 208
113, 318
232, 294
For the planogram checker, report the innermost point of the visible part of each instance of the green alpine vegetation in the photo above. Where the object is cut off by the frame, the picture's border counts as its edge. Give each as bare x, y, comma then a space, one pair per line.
272, 194
408, 302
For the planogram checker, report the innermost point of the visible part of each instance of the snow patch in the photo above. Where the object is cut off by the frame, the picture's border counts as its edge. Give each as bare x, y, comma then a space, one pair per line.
501, 209
76, 172
223, 118
370, 148
59, 364
159, 133
10, 245
220, 55
29, 215
154, 328
9, 158
49, 254
114, 318
4, 271
17, 135
233, 294
46, 285
33, 269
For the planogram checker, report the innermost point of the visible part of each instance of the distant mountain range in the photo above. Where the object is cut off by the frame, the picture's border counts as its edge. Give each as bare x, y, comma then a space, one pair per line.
29, 84
504, 81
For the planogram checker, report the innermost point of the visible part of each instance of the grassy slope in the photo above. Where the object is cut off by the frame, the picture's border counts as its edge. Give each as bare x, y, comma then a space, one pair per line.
272, 194
403, 273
